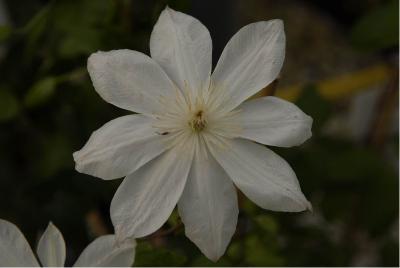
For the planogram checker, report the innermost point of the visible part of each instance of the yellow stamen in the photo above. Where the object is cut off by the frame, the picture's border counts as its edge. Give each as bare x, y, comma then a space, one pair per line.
198, 123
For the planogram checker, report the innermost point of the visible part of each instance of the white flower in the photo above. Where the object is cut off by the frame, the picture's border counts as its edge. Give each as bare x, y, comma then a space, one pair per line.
15, 250
190, 143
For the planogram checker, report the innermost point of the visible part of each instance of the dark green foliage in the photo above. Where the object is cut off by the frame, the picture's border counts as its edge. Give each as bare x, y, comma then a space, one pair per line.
315, 106
9, 106
146, 255
378, 29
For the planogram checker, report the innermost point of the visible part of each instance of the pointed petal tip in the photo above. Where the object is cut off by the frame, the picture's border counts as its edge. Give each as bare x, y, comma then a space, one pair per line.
52, 227
214, 256
51, 224
94, 60
167, 10
51, 248
81, 167
310, 122
98, 57
278, 23
92, 56
306, 206
310, 207
213, 259
75, 156
78, 166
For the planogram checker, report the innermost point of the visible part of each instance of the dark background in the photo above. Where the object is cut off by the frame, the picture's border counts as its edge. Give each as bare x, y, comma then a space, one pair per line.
341, 67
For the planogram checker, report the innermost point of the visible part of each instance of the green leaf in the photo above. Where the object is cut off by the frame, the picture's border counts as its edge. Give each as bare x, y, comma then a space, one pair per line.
267, 223
40, 92
234, 251
174, 219
248, 206
202, 261
36, 24
5, 32
34, 31
55, 155
258, 253
81, 25
315, 106
377, 29
82, 41
9, 106
147, 255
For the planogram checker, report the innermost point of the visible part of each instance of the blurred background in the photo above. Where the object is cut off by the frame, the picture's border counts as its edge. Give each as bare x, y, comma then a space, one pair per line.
341, 67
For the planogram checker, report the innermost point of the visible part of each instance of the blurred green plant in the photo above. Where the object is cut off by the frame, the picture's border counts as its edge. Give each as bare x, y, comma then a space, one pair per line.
377, 29
40, 92
5, 32
9, 106
147, 255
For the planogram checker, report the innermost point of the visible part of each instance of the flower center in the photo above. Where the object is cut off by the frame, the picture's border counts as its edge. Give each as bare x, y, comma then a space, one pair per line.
198, 122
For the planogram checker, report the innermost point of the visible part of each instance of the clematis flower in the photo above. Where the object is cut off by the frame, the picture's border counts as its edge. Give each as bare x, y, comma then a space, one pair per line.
15, 250
192, 141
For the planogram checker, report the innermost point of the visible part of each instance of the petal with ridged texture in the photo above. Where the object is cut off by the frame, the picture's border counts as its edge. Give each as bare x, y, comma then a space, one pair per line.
130, 80
273, 121
51, 247
263, 176
146, 198
14, 249
105, 252
250, 61
120, 147
208, 206
182, 46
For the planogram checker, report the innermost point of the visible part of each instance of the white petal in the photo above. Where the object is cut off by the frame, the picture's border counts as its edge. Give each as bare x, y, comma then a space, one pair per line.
105, 252
146, 198
274, 121
14, 249
130, 80
250, 61
261, 175
183, 47
120, 147
208, 206
51, 247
